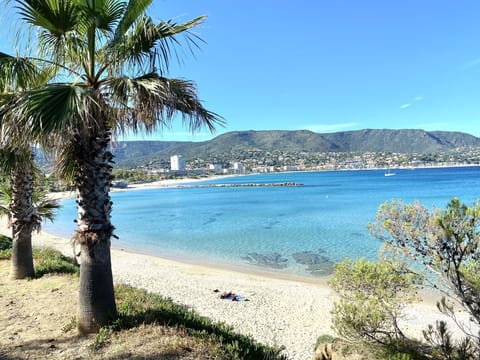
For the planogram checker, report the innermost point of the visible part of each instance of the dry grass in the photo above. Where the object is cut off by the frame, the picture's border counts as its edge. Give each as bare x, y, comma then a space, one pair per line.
37, 318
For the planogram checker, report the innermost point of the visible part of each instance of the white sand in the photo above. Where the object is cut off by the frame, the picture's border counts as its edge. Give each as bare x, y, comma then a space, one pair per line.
280, 312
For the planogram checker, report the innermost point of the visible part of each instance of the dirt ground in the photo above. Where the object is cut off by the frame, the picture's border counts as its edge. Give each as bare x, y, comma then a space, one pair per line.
37, 322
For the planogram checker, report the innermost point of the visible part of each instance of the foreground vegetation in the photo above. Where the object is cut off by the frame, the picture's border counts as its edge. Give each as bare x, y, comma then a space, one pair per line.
147, 326
446, 244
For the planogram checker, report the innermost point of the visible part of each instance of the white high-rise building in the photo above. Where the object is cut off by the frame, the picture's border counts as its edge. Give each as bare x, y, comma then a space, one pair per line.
177, 163
237, 168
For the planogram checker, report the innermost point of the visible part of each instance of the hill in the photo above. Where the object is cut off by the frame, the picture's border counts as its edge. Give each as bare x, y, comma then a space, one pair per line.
408, 141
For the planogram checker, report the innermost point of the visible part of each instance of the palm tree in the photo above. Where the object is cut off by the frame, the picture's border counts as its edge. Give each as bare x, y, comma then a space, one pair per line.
18, 206
16, 161
111, 59
25, 209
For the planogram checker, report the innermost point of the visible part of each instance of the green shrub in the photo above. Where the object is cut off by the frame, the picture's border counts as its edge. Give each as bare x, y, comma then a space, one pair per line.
5, 247
446, 242
101, 339
48, 261
5, 242
372, 296
70, 325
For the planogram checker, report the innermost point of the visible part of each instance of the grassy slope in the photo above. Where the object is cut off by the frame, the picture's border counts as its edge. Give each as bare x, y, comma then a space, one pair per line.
38, 321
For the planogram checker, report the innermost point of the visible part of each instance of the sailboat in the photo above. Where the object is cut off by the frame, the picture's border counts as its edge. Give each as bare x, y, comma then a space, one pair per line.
389, 173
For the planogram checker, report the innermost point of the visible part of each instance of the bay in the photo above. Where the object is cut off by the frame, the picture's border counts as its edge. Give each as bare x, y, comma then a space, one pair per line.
328, 215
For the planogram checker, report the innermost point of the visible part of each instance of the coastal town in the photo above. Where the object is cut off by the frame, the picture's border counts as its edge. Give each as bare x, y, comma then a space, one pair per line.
278, 161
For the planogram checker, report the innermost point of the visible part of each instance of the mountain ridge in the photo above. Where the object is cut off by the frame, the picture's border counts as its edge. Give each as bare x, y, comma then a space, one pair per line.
407, 141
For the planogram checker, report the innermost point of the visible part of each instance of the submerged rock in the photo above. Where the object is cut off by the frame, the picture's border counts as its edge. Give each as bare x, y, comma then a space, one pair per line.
316, 263
322, 269
273, 260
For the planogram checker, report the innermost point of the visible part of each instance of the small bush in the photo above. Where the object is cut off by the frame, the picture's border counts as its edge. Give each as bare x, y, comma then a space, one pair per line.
5, 242
70, 325
324, 339
51, 261
5, 247
102, 338
372, 296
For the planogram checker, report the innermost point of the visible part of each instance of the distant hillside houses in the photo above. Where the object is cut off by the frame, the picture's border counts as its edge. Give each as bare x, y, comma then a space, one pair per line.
278, 161
178, 166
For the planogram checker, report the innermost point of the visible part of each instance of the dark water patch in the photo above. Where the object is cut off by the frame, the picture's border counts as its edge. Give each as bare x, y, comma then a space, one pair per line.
271, 224
322, 185
271, 260
209, 221
356, 235
316, 263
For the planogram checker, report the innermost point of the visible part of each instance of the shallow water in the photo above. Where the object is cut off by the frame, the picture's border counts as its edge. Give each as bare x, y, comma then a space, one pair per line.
328, 215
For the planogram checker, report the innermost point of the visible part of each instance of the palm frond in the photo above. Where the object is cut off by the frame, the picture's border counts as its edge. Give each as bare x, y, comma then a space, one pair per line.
16, 73
184, 99
67, 160
100, 17
67, 51
56, 17
5, 200
134, 10
56, 108
150, 46
11, 157
45, 206
151, 102
108, 13
57, 24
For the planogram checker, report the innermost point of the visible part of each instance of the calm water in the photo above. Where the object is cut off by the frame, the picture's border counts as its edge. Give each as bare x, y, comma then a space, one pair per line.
328, 215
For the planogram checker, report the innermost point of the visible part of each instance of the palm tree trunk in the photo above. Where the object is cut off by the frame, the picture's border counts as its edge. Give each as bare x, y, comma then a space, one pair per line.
94, 230
22, 221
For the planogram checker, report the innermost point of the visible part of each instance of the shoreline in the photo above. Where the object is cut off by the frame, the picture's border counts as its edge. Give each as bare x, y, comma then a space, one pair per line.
280, 312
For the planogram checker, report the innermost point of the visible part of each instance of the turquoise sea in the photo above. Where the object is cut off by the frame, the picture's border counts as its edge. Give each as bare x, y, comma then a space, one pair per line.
328, 215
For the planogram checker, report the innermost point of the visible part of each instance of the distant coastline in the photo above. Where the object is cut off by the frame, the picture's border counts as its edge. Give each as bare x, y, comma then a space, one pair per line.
176, 183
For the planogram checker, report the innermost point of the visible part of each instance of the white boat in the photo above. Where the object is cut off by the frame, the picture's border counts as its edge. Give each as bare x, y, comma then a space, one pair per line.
389, 173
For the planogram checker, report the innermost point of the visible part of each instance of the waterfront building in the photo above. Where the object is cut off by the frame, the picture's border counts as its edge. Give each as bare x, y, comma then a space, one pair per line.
238, 168
216, 168
177, 163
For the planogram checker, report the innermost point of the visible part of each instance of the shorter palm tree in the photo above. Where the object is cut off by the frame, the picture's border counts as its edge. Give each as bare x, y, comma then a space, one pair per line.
25, 209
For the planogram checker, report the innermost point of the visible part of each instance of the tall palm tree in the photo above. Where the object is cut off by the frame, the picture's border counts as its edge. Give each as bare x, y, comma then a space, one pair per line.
16, 162
112, 58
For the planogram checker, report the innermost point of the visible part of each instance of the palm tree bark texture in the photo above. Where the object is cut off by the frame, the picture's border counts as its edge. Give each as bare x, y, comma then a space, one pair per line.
94, 231
22, 222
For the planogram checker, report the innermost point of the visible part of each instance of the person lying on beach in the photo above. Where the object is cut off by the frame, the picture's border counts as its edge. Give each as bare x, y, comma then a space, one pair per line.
228, 295
232, 296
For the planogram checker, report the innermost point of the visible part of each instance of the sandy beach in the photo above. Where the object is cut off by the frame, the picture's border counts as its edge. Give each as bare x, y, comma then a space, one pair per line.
280, 312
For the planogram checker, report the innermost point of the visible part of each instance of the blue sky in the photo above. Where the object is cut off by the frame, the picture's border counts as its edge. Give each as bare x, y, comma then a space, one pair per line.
330, 66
